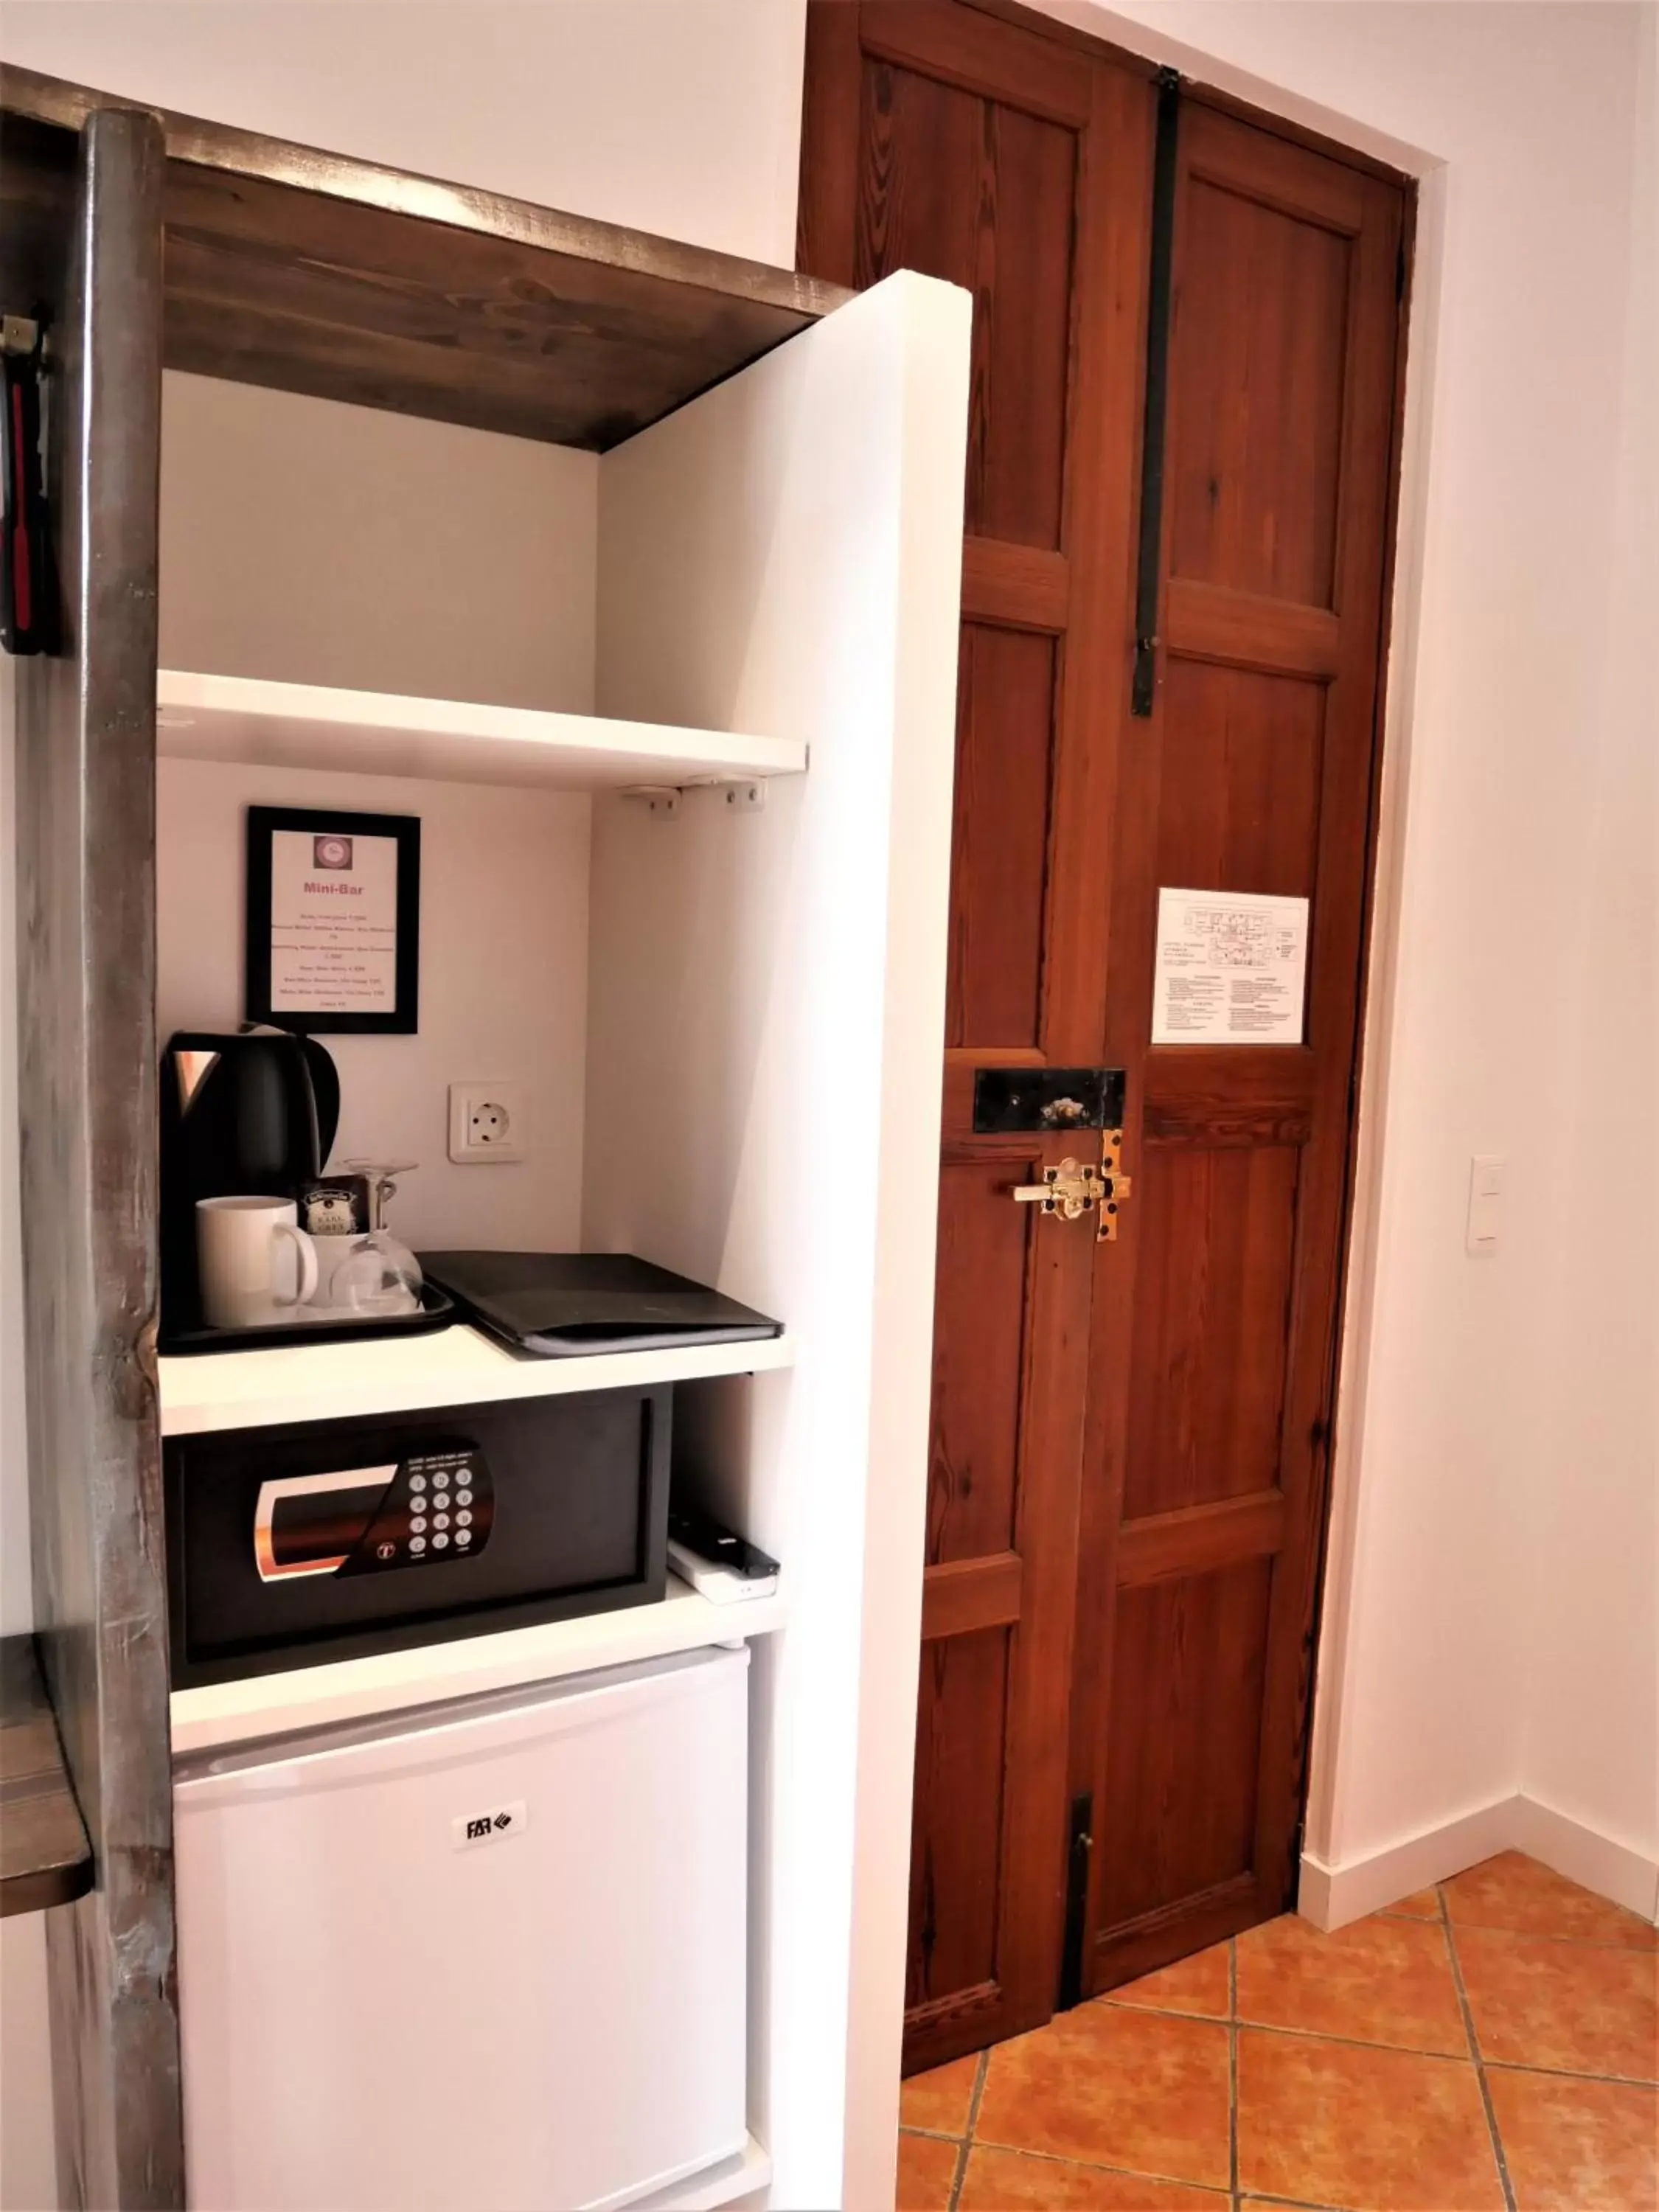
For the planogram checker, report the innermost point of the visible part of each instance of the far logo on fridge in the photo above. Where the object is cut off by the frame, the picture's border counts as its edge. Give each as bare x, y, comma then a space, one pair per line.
493, 1827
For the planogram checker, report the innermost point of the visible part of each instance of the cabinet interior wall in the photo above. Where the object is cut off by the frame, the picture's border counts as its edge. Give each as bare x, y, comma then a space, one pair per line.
315, 542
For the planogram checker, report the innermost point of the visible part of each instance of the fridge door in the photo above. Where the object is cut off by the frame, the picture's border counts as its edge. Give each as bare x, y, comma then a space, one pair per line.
492, 1957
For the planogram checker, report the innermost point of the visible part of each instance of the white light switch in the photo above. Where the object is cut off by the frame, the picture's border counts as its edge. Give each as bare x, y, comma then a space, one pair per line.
1485, 1202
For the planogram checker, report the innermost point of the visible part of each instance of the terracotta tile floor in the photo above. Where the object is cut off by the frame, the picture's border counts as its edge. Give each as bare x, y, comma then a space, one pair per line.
1492, 2045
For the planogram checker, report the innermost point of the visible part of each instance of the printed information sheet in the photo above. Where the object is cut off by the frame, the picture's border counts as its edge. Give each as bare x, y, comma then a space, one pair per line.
1232, 967
333, 924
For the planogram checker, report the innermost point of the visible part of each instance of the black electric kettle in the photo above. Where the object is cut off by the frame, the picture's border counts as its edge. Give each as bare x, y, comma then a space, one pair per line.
252, 1114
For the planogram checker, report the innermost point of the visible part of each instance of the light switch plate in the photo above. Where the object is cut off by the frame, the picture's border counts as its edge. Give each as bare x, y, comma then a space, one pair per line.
1486, 1203
488, 1123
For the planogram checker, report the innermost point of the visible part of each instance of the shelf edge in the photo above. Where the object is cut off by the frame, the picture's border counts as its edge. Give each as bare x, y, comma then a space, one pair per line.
275, 1399
221, 717
219, 1714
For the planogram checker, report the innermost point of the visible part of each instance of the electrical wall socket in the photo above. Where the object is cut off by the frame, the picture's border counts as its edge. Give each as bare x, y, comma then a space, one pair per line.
486, 1122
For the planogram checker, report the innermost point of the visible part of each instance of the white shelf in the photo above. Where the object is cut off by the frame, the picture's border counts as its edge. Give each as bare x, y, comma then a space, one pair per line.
740, 2175
238, 718
221, 1713
454, 1366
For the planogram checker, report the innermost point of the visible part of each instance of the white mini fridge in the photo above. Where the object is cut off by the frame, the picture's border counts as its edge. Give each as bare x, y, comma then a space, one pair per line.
487, 1957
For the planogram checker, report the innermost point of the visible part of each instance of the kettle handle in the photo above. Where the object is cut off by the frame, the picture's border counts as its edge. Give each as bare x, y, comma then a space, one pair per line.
325, 1090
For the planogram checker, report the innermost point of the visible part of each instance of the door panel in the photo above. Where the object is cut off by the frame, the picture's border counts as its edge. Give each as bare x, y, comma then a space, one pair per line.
1000, 840
987, 1841
941, 139
1258, 383
979, 1362
1243, 762
958, 1830
1183, 1789
1205, 1465
1207, 1363
991, 211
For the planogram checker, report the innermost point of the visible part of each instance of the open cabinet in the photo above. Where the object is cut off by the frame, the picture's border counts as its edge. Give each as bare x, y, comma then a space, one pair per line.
743, 875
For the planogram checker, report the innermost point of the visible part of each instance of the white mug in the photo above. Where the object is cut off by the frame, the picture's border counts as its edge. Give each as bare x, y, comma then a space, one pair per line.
241, 1245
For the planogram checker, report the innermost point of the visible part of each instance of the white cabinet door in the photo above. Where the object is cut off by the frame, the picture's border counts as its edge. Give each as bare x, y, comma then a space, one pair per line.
491, 1958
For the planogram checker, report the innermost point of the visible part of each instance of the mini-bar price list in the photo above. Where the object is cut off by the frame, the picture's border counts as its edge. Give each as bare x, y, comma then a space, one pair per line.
333, 918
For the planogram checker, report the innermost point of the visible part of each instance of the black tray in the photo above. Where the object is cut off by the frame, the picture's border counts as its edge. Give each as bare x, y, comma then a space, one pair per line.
437, 1311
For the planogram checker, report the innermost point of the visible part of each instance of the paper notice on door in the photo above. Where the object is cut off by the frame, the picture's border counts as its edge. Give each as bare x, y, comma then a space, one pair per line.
1232, 967
333, 924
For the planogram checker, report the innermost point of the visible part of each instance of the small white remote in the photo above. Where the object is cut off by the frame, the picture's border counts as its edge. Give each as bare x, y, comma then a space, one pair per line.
721, 1585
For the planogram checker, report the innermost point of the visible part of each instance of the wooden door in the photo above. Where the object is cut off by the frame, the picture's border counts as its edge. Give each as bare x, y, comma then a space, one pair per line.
943, 140
1214, 1316
1128, 1483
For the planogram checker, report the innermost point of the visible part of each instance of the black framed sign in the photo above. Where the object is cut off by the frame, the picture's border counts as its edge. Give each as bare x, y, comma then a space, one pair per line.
334, 919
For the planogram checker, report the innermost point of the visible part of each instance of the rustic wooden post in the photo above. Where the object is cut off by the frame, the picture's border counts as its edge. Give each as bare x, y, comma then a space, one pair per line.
87, 1076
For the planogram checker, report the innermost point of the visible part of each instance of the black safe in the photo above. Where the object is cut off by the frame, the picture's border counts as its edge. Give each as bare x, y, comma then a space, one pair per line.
291, 1546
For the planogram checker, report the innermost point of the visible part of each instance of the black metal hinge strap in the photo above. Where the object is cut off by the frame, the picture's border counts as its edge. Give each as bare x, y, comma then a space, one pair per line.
1159, 296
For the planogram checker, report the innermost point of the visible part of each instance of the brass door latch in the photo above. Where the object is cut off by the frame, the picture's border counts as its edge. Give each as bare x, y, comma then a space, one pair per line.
1069, 1190
1072, 1190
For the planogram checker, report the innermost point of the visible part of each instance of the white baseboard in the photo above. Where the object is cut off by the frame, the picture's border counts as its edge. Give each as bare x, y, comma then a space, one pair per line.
1594, 1861
1330, 1897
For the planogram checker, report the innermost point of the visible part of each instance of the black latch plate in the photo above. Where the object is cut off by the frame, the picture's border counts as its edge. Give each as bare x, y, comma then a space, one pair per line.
1046, 1098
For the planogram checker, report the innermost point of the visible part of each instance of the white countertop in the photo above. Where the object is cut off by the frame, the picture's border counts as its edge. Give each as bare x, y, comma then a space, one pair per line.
454, 1366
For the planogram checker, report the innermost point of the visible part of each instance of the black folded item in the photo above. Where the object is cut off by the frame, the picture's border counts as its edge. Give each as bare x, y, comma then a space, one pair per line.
566, 1304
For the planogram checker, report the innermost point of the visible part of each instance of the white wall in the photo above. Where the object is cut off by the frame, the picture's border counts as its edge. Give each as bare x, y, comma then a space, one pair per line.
681, 117
503, 981
321, 544
315, 542
1489, 1624
1591, 1745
